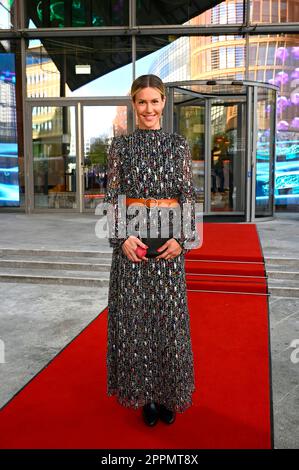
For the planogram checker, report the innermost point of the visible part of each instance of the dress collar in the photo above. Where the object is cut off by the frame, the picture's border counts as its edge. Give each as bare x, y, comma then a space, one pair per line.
148, 131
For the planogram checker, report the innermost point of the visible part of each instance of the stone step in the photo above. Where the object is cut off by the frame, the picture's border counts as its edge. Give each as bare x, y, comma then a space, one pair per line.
93, 268
89, 265
52, 276
277, 291
51, 254
283, 282
284, 263
283, 287
54, 272
278, 274
283, 276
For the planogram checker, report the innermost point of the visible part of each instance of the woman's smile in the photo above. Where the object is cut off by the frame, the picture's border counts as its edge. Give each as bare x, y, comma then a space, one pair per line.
146, 99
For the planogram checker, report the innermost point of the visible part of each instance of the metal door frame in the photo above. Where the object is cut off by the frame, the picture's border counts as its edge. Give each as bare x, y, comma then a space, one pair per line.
208, 103
253, 101
78, 103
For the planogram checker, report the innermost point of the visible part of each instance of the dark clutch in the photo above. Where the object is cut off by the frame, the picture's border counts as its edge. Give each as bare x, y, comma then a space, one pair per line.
153, 244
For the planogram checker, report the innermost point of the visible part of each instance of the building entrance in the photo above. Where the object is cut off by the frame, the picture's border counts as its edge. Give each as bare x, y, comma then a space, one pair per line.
68, 141
229, 125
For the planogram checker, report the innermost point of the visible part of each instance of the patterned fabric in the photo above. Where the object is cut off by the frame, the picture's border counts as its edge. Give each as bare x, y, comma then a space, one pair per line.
149, 352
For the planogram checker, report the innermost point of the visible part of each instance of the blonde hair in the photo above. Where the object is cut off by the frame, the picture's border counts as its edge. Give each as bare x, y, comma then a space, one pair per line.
145, 81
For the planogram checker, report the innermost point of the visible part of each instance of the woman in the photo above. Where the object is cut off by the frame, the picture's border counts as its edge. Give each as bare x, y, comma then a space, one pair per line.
149, 355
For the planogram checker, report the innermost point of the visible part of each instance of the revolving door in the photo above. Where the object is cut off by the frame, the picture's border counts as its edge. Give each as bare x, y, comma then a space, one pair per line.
230, 128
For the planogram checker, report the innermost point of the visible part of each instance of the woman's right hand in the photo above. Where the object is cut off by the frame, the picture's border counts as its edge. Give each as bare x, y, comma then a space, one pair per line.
129, 246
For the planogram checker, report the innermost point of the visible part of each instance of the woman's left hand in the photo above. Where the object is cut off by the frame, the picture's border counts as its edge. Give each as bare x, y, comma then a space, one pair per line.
173, 249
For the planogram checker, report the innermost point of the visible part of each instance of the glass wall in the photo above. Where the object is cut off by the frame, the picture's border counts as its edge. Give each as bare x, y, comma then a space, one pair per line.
274, 11
7, 14
275, 59
180, 12
97, 135
12, 185
76, 14
54, 157
103, 62
94, 66
264, 152
165, 56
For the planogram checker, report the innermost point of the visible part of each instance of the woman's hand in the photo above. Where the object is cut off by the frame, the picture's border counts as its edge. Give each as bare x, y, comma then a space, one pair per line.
173, 249
129, 246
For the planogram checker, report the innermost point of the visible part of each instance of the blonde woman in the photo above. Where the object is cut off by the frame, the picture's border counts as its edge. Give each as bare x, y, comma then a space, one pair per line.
149, 354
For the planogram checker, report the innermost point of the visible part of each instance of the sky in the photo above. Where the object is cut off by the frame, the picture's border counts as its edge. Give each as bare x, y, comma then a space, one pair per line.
116, 83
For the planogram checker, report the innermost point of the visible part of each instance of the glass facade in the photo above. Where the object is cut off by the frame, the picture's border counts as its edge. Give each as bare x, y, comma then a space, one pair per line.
89, 49
54, 157
276, 60
225, 124
55, 67
264, 182
155, 12
274, 11
12, 184
7, 14
76, 14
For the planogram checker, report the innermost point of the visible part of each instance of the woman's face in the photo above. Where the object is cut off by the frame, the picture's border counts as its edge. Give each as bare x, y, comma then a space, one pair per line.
149, 106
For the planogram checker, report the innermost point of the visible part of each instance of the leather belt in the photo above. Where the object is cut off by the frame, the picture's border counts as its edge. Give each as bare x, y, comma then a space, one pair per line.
152, 202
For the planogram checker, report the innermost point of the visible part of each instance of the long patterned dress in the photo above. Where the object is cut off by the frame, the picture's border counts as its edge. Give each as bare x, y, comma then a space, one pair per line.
149, 351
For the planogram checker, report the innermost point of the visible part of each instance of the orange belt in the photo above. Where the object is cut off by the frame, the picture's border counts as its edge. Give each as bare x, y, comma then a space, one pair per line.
152, 202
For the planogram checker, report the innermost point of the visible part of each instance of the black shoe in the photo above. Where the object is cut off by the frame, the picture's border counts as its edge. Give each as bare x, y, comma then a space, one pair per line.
166, 415
150, 414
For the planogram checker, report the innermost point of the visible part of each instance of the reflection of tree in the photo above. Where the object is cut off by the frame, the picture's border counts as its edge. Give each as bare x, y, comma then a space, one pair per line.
97, 154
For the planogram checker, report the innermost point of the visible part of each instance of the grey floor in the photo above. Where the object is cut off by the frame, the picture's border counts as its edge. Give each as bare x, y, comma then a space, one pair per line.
38, 319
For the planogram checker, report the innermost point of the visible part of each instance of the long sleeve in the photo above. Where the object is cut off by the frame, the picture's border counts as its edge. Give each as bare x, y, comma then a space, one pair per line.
189, 238
116, 220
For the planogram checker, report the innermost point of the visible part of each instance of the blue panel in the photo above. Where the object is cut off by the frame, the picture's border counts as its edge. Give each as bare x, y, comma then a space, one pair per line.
9, 169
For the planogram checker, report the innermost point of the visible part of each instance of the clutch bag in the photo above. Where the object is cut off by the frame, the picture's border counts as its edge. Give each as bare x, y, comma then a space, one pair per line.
153, 244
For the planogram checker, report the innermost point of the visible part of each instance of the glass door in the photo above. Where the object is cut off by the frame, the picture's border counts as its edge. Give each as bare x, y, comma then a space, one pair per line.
228, 155
264, 149
189, 120
67, 161
54, 157
100, 122
215, 128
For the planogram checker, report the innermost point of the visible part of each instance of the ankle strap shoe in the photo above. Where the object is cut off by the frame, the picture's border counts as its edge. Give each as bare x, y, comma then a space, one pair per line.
166, 415
150, 414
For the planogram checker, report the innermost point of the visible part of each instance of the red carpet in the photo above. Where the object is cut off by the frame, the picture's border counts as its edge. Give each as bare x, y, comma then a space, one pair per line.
66, 406
229, 260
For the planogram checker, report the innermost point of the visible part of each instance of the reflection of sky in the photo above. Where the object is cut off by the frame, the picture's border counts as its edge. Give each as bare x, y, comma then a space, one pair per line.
116, 83
5, 14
